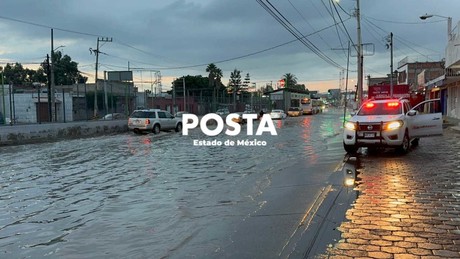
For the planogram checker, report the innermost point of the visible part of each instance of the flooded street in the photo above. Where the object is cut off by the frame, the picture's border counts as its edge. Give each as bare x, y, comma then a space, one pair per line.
159, 196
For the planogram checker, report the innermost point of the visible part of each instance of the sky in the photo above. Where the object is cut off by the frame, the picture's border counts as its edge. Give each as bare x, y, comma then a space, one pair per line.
174, 38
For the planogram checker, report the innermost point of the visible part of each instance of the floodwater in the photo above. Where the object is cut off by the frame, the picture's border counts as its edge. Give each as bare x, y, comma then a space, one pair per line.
159, 196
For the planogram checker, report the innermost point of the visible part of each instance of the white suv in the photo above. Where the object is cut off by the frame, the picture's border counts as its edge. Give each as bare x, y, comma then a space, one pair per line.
392, 123
153, 120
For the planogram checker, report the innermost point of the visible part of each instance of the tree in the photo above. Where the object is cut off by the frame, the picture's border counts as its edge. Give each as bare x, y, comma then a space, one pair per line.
14, 74
36, 76
234, 84
267, 88
299, 87
65, 70
215, 76
247, 81
194, 85
214, 79
290, 80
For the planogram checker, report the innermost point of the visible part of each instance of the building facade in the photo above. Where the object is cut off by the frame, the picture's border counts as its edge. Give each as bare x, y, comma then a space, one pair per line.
416, 74
451, 86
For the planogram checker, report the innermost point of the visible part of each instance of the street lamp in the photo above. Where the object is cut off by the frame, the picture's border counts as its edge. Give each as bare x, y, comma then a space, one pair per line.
62, 46
449, 23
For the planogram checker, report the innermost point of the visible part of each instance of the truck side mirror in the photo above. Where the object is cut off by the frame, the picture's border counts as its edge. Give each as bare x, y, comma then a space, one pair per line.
412, 113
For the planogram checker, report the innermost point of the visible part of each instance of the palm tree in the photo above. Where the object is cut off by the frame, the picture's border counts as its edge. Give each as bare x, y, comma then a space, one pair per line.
290, 80
215, 76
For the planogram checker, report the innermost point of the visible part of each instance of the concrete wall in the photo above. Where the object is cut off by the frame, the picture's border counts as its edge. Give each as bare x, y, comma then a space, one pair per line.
24, 106
37, 133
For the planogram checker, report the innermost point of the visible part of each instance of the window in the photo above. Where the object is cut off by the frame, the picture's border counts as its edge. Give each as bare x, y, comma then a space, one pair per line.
406, 107
161, 115
152, 115
429, 107
393, 108
143, 114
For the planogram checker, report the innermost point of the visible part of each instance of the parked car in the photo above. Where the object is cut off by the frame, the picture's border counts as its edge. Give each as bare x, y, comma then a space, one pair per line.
295, 112
223, 111
392, 123
114, 116
278, 115
179, 114
153, 120
249, 111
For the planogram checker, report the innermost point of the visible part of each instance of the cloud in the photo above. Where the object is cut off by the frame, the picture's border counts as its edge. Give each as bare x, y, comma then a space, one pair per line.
173, 36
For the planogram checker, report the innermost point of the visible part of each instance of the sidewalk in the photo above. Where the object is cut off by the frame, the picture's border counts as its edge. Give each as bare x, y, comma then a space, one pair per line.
408, 206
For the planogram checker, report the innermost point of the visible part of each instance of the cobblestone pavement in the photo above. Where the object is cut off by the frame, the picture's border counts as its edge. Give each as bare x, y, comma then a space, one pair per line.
408, 205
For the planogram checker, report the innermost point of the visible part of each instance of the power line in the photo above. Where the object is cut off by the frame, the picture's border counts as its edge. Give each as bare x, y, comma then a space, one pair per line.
281, 19
306, 21
241, 56
399, 22
398, 38
48, 27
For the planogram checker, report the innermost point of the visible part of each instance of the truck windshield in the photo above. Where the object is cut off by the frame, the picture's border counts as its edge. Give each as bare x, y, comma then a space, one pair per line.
387, 108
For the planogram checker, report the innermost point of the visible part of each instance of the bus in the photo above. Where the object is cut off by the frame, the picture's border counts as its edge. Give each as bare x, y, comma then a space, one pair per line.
306, 105
317, 105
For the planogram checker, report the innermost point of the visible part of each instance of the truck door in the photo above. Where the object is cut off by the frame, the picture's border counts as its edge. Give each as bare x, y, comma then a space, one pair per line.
425, 119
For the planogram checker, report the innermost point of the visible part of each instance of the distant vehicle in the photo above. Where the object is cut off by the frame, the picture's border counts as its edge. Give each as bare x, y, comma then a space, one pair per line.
381, 92
114, 116
240, 118
278, 115
306, 105
223, 111
317, 106
153, 120
295, 112
392, 123
179, 114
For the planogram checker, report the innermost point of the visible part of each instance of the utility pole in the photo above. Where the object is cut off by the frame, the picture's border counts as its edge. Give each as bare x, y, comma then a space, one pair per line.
106, 99
174, 95
52, 87
360, 57
48, 72
390, 45
3, 97
96, 52
183, 86
346, 84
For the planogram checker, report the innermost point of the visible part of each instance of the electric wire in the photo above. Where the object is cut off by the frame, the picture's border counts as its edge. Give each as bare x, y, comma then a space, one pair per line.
280, 18
306, 21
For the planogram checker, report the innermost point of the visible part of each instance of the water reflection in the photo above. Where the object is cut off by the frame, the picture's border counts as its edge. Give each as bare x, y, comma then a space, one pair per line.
349, 172
133, 196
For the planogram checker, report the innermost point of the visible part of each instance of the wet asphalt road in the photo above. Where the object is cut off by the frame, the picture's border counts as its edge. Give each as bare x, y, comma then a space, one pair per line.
159, 196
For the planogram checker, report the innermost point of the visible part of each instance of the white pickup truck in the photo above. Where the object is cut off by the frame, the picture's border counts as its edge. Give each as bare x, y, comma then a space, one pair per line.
392, 123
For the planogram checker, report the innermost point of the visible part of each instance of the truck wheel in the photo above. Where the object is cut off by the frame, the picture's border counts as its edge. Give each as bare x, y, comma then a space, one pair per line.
352, 149
405, 146
179, 127
156, 129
